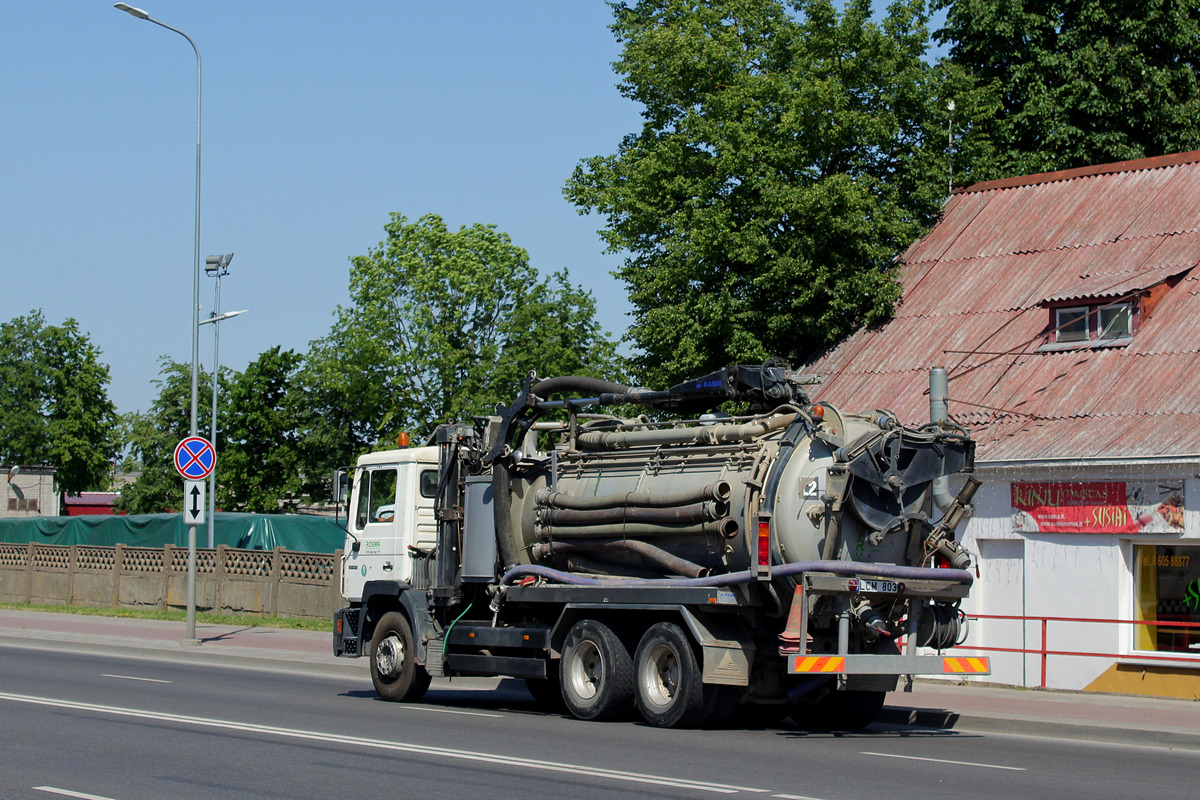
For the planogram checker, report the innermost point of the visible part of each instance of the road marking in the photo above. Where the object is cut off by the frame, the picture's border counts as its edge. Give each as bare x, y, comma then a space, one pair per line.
452, 711
134, 678
69, 793
383, 744
948, 761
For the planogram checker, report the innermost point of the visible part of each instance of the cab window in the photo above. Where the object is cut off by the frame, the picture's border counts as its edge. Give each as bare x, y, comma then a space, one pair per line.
429, 483
376, 497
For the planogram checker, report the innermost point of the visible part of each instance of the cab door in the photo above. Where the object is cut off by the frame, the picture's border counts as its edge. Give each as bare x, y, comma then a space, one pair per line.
373, 524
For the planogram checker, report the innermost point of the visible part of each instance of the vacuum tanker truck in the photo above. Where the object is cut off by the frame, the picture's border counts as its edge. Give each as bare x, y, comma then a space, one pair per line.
725, 546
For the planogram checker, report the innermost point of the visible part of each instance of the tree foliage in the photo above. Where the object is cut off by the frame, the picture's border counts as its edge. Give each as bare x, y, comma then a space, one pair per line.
443, 325
260, 467
788, 152
152, 437
1079, 82
54, 408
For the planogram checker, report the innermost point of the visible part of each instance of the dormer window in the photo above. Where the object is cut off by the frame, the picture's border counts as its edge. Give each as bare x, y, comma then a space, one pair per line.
1093, 323
1105, 309
1071, 324
1078, 326
1115, 321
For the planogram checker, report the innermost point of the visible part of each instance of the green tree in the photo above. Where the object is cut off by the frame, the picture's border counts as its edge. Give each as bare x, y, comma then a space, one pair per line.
54, 408
788, 153
1079, 82
259, 469
443, 325
152, 437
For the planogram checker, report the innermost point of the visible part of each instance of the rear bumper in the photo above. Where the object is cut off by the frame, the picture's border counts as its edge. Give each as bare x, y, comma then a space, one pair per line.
865, 664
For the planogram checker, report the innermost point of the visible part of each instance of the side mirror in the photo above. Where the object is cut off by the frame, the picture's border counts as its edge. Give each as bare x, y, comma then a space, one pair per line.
354, 547
341, 486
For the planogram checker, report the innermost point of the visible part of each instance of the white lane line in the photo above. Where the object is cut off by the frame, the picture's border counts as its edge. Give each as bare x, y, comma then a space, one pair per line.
452, 711
383, 744
948, 761
134, 678
69, 793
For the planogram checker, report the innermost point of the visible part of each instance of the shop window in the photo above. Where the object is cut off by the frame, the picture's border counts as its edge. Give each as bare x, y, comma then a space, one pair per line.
1167, 586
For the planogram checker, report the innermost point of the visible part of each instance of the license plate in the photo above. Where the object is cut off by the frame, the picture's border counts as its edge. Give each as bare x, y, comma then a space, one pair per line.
877, 587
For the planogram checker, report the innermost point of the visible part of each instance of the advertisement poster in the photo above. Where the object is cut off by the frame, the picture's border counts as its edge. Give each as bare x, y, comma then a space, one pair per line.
1098, 507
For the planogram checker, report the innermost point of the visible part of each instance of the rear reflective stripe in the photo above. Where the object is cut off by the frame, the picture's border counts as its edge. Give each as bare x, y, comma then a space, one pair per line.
820, 664
964, 665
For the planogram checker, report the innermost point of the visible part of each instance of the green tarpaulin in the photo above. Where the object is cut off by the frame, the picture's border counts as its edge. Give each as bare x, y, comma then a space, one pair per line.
244, 531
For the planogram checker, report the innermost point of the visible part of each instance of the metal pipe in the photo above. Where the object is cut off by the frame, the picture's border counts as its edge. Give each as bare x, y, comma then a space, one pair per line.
708, 434
939, 412
727, 527
605, 571
717, 491
653, 554
697, 512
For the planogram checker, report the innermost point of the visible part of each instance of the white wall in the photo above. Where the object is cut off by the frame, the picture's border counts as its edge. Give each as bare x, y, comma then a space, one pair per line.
1057, 575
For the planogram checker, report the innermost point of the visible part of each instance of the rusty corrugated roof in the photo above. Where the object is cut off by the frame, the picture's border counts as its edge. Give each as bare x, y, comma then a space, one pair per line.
973, 301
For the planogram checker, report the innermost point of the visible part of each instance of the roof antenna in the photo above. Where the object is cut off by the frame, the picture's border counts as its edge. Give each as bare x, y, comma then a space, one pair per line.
950, 148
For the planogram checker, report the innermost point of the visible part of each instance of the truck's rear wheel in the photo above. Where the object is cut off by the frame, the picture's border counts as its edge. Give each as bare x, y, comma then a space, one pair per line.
670, 691
394, 670
596, 672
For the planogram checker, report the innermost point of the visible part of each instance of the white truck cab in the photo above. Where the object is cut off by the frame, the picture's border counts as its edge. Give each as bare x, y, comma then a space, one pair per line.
391, 511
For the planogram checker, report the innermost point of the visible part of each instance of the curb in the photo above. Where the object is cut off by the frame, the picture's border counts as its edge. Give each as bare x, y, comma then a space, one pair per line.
290, 661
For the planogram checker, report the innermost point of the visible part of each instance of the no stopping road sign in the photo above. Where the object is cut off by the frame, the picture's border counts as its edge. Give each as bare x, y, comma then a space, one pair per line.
195, 458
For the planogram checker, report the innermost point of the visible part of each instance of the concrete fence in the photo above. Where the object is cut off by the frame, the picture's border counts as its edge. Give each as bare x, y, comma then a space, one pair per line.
277, 582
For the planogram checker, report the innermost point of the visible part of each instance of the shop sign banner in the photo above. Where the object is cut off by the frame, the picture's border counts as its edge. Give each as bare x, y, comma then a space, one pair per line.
1098, 507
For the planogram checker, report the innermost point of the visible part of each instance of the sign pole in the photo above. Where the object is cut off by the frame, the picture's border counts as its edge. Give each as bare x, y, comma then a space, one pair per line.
194, 460
190, 629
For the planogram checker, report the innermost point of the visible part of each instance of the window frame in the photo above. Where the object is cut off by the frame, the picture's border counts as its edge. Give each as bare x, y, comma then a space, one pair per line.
1065, 313
1077, 313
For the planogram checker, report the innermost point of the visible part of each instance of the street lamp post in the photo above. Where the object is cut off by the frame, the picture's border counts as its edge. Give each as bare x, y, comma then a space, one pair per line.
215, 266
191, 580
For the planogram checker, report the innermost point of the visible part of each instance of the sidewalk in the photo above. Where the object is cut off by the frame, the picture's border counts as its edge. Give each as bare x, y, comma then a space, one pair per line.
932, 704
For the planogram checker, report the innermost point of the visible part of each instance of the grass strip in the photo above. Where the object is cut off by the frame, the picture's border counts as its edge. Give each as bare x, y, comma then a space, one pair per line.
206, 617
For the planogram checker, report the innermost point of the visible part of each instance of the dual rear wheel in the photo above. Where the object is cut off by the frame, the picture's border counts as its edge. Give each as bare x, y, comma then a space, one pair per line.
662, 678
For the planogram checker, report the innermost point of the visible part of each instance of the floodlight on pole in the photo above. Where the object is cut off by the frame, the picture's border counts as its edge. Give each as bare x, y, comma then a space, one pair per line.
191, 583
216, 267
221, 318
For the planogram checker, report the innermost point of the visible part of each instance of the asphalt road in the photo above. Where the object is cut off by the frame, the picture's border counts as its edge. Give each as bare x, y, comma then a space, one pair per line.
98, 726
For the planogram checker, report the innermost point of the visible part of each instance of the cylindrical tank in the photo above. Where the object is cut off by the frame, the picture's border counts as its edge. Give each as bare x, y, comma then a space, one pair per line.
638, 500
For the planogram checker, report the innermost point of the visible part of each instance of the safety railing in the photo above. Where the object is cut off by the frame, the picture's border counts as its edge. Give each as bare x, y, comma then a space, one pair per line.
1044, 652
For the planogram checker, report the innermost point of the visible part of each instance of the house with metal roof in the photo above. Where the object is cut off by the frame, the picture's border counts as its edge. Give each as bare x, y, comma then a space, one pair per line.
1065, 308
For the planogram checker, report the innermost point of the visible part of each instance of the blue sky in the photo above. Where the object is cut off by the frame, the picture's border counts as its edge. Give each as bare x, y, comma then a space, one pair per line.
319, 119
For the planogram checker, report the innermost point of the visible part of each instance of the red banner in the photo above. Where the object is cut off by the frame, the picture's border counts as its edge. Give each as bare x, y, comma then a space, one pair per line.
1097, 507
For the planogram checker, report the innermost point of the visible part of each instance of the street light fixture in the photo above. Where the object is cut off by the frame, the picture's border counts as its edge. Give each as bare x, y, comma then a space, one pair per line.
191, 582
216, 267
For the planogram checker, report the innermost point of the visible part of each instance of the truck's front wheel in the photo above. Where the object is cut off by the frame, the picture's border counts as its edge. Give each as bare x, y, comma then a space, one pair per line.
394, 670
596, 672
